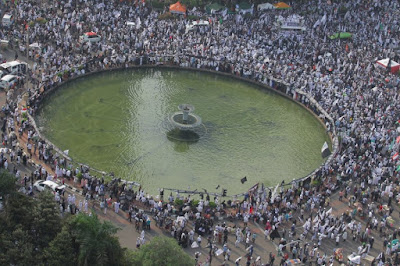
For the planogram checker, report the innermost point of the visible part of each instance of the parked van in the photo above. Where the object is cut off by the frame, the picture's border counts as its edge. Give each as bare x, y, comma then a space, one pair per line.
90, 37
7, 20
197, 24
15, 67
8, 82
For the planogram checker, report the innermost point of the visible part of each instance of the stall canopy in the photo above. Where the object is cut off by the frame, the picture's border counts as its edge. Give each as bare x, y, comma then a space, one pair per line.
177, 8
394, 66
341, 35
265, 6
282, 5
214, 8
244, 7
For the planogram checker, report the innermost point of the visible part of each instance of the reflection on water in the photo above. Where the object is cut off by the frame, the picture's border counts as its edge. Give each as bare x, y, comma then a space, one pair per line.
116, 123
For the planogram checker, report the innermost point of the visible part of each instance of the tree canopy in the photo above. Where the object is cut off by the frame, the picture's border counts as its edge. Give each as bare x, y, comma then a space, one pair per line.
98, 244
7, 183
161, 251
33, 232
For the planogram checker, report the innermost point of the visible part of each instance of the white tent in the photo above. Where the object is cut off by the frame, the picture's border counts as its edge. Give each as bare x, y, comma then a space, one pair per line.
265, 6
394, 66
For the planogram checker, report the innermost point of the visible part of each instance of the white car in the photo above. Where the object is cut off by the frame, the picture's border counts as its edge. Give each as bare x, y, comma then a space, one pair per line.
8, 82
7, 20
90, 37
41, 185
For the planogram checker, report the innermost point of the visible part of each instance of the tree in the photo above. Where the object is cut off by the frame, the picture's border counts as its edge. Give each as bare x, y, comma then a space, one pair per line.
98, 244
16, 248
47, 221
7, 183
20, 210
160, 251
61, 251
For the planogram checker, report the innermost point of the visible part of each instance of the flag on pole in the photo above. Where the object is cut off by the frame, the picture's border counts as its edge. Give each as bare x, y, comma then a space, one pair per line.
391, 144
325, 152
395, 156
398, 139
244, 179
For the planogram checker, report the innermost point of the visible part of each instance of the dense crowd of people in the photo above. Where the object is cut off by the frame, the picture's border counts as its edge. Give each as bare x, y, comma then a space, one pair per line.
340, 74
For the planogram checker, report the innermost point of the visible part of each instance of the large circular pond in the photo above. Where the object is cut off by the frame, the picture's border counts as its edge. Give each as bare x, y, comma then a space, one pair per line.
117, 122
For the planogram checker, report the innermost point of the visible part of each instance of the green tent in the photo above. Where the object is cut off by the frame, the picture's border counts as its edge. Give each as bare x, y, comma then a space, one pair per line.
214, 6
244, 6
341, 35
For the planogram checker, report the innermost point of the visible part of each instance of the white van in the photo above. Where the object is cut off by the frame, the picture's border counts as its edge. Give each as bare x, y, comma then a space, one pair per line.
7, 20
196, 24
90, 37
8, 82
15, 67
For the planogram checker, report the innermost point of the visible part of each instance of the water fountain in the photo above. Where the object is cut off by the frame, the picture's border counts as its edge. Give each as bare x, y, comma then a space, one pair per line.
186, 125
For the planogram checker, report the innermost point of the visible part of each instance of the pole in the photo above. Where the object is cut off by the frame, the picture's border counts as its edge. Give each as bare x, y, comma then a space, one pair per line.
27, 42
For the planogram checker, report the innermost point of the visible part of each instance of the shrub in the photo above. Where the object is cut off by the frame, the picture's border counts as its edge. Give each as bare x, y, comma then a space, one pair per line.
79, 176
212, 204
315, 182
195, 203
178, 202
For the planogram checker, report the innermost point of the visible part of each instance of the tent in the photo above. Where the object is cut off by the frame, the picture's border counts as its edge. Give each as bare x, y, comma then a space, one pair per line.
244, 7
343, 35
282, 5
177, 8
394, 66
265, 6
214, 8
356, 259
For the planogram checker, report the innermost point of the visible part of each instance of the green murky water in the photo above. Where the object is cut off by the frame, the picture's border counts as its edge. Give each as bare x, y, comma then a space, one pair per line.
116, 122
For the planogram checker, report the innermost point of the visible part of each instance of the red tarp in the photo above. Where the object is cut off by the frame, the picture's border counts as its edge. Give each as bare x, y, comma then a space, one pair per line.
177, 8
395, 67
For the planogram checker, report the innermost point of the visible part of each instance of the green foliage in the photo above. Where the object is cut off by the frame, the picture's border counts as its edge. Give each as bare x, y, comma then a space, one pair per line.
192, 3
19, 211
97, 243
195, 203
16, 248
7, 183
79, 176
315, 182
178, 202
31, 233
158, 4
61, 250
212, 204
47, 222
160, 251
